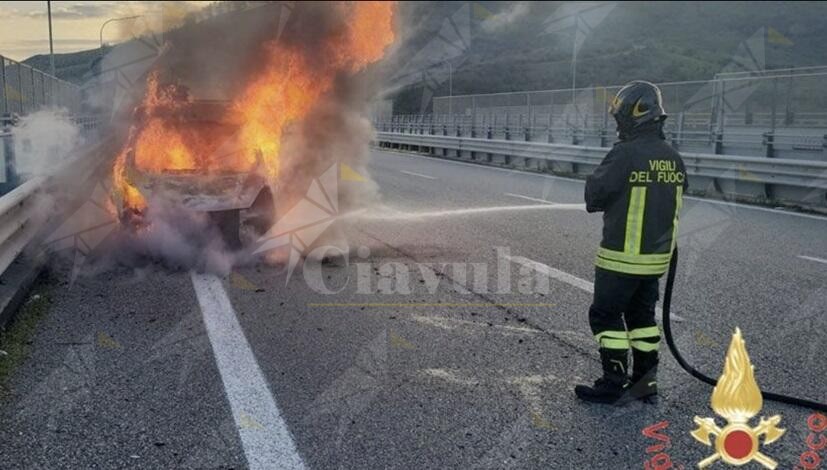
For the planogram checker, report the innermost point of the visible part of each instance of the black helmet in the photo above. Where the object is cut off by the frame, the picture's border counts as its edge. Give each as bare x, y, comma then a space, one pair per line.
636, 104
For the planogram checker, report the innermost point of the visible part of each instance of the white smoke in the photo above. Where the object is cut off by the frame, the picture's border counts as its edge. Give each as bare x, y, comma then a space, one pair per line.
210, 65
44, 141
506, 17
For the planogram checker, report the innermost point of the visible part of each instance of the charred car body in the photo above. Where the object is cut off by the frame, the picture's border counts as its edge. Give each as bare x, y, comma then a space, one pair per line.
188, 156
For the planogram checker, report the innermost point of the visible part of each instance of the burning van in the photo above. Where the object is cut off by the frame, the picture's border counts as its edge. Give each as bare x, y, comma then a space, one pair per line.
188, 154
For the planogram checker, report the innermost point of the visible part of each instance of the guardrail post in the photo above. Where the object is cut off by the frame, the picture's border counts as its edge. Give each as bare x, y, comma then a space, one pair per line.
445, 133
718, 143
824, 145
507, 124
549, 137
526, 130
489, 134
768, 140
681, 117
673, 138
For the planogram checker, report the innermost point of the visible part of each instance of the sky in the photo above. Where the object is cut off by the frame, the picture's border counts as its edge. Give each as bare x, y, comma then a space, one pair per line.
24, 28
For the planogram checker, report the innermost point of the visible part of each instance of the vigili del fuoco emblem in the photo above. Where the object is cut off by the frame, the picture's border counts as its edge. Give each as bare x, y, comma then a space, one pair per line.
737, 399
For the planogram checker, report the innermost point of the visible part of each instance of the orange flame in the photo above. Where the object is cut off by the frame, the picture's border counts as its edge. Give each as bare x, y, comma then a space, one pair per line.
287, 89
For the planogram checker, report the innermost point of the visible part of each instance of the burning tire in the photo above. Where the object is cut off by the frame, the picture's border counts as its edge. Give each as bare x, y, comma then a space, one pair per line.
241, 228
255, 221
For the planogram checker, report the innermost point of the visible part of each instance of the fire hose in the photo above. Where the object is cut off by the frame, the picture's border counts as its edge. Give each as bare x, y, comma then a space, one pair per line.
670, 341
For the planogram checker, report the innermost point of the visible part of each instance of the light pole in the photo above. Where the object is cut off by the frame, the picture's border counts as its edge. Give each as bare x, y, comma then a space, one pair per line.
111, 20
574, 67
450, 88
51, 43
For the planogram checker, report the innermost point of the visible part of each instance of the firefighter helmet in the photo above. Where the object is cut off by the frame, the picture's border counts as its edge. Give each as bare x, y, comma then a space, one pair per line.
637, 103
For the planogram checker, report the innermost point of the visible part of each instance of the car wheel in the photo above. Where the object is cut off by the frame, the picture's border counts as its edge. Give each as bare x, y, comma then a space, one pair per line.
228, 224
258, 219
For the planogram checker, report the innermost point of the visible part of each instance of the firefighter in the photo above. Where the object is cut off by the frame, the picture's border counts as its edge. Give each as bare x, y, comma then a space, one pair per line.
639, 187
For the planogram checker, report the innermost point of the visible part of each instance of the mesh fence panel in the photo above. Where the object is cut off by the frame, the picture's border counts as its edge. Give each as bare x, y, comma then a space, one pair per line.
24, 90
767, 101
4, 104
12, 90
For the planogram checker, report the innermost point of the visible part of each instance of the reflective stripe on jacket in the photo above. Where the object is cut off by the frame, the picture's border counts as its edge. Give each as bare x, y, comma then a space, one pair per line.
639, 188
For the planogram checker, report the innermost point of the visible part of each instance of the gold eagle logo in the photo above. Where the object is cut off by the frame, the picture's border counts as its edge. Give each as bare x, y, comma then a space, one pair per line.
737, 399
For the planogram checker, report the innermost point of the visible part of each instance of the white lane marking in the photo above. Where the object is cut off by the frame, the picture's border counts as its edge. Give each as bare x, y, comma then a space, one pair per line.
477, 165
553, 273
813, 258
264, 435
544, 201
570, 279
420, 175
575, 180
755, 208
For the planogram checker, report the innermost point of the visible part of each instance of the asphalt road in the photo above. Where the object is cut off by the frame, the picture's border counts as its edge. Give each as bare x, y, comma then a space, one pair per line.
450, 337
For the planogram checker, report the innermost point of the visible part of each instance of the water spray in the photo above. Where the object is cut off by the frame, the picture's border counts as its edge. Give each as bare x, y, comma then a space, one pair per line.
393, 214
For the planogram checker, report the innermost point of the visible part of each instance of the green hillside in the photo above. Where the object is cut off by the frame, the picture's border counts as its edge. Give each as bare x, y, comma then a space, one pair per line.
658, 41
74, 67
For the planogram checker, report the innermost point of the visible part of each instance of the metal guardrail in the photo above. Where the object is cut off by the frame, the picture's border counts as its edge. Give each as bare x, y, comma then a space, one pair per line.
19, 221
28, 208
790, 181
804, 144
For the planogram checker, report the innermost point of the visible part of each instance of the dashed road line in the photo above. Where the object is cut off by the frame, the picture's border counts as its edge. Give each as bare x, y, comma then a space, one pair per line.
569, 279
420, 175
267, 442
575, 180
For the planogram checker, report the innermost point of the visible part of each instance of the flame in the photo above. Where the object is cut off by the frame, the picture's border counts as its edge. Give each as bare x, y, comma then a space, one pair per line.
293, 80
737, 396
128, 194
290, 85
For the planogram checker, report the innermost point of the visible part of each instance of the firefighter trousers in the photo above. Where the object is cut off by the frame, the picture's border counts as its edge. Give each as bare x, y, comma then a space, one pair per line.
622, 316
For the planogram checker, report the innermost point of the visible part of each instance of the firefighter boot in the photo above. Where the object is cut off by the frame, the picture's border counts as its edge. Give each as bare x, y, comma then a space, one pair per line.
611, 387
644, 385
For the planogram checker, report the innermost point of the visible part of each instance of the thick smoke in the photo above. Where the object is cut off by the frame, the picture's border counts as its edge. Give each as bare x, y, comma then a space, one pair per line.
218, 58
45, 141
